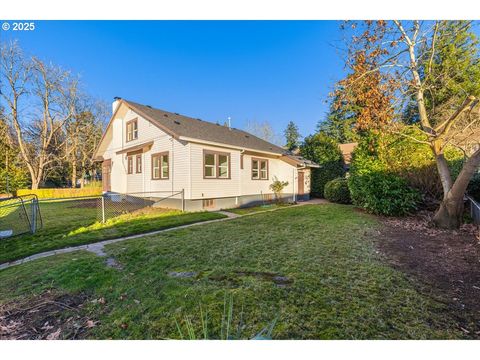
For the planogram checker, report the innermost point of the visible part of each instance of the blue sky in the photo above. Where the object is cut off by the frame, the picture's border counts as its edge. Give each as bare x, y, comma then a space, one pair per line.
273, 71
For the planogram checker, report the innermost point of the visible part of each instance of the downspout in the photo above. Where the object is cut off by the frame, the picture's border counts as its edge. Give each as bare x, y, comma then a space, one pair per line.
240, 173
173, 163
293, 184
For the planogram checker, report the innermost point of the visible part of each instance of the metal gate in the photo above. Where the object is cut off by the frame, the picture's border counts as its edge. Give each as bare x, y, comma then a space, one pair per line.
19, 215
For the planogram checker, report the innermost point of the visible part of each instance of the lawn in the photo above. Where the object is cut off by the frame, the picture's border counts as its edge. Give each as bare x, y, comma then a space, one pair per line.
314, 270
70, 223
255, 209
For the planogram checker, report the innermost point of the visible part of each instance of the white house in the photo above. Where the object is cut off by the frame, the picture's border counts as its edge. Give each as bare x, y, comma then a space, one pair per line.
153, 153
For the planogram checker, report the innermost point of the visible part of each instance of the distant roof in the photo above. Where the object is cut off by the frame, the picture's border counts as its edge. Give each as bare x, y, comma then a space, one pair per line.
301, 160
347, 150
184, 126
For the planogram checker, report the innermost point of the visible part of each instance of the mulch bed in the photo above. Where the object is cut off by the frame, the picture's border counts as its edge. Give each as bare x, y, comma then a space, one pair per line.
445, 263
48, 316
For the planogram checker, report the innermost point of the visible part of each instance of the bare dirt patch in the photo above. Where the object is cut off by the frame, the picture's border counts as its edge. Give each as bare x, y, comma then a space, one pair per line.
48, 316
445, 263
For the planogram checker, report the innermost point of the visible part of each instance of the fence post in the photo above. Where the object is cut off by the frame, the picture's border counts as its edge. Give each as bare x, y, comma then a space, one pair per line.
103, 209
33, 224
183, 199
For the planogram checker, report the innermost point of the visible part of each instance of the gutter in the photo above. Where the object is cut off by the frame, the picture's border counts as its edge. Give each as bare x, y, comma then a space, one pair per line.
214, 143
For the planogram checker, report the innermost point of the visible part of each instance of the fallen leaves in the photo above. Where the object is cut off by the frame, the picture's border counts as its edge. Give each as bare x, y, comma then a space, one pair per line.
55, 335
47, 316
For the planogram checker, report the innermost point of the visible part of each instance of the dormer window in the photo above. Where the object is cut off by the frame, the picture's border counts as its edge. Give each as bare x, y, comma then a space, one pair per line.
132, 130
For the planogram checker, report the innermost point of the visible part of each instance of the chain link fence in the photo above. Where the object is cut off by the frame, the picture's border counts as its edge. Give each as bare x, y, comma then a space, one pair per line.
474, 210
19, 215
115, 204
24, 214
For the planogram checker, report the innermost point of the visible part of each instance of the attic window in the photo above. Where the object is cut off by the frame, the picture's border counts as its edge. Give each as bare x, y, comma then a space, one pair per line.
132, 130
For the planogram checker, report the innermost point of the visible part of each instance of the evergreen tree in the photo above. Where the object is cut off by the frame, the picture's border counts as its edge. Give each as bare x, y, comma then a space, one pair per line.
292, 136
340, 122
324, 151
450, 69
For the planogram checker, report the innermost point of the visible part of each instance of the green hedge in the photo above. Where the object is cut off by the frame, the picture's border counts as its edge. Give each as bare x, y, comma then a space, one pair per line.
383, 193
57, 193
326, 153
337, 191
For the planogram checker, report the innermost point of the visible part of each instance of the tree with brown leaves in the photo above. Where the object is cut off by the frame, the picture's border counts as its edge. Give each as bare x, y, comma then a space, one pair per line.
395, 62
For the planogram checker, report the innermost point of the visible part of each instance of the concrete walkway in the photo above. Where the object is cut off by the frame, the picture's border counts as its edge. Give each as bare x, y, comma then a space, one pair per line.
98, 247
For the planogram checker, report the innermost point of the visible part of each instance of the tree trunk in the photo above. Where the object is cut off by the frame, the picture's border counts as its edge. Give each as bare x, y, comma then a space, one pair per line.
74, 175
444, 173
35, 182
450, 213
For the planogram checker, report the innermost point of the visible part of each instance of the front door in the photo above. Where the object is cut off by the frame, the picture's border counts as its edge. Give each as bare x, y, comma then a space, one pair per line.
301, 183
106, 171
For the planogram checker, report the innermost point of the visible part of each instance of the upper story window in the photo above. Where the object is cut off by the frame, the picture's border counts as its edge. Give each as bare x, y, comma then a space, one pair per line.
216, 165
129, 164
259, 169
160, 167
132, 130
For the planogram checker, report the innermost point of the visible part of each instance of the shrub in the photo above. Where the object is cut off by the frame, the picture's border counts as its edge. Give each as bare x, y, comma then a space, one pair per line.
277, 187
56, 193
337, 191
383, 193
374, 186
325, 152
414, 161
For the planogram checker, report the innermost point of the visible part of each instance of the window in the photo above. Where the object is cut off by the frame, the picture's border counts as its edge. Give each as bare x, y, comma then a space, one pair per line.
223, 171
208, 203
216, 165
259, 169
129, 165
138, 164
132, 130
210, 165
160, 166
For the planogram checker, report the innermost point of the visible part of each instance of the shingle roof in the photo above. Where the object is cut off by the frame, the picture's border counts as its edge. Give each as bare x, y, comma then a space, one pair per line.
184, 126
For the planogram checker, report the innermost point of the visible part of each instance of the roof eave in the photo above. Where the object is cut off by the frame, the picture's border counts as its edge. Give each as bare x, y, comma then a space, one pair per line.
214, 143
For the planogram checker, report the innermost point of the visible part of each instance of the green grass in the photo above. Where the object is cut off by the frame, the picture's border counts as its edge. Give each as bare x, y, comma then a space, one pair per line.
70, 223
255, 209
340, 289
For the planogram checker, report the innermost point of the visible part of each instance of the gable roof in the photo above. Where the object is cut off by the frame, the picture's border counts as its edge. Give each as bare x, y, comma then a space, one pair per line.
191, 128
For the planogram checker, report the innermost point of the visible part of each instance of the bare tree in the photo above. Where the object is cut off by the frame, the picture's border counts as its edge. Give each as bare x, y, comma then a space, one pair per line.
84, 132
39, 99
264, 131
409, 53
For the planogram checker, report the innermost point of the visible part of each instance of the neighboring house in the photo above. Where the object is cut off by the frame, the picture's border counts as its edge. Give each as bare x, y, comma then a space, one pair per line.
347, 150
152, 153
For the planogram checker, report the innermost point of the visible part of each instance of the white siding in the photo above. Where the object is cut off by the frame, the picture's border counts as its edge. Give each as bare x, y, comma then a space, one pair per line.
186, 165
129, 183
213, 188
276, 168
